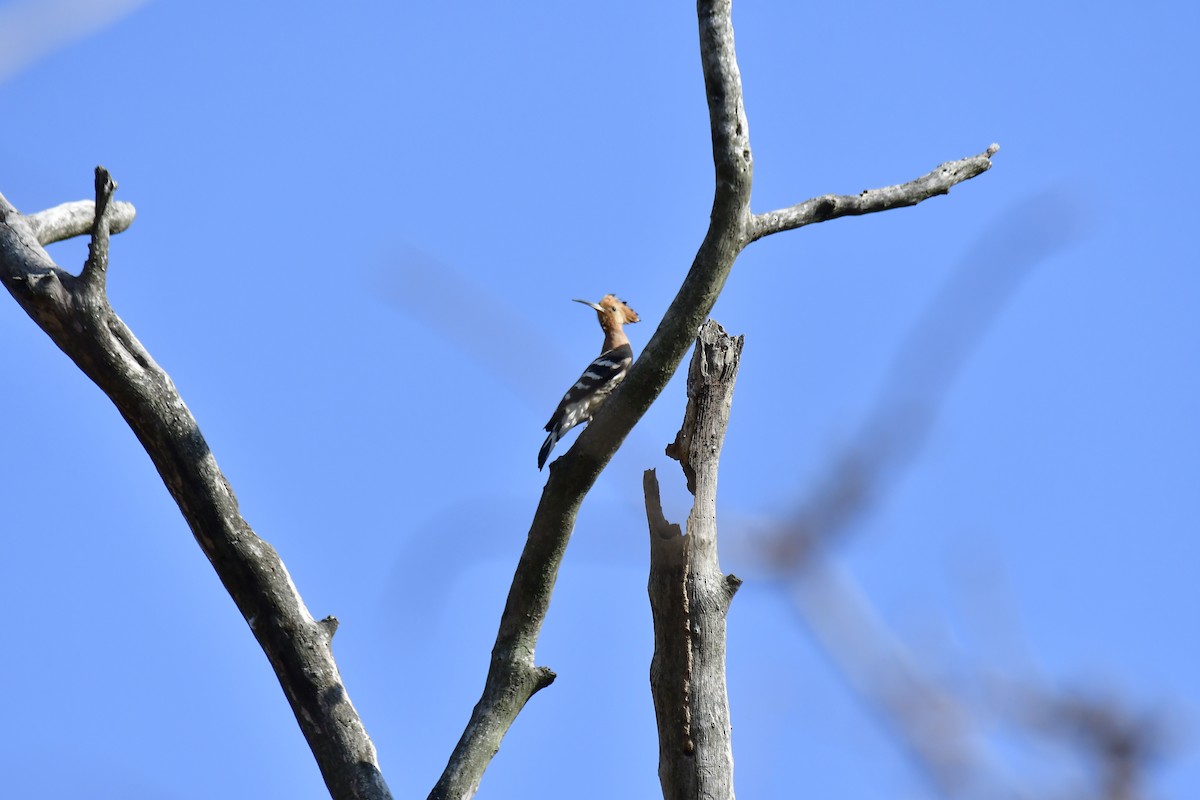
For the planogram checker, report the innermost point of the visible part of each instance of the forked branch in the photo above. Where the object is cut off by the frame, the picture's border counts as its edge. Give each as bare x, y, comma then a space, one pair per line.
75, 313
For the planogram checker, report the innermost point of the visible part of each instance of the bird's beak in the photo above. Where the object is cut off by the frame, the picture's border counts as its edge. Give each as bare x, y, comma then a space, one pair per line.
593, 305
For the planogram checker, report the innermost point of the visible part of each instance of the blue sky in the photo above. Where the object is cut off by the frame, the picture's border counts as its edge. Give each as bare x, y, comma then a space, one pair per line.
359, 230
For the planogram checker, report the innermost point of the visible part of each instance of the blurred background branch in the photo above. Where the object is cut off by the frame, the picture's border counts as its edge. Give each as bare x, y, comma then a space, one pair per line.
948, 734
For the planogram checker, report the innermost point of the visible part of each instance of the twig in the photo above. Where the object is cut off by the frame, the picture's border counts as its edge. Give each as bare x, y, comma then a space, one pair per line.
96, 267
832, 206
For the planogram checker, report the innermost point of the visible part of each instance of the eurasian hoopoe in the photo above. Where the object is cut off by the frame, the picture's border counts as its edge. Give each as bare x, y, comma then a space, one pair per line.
602, 376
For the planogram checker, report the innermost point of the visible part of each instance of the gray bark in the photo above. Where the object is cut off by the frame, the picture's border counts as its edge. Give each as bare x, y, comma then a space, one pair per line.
68, 220
870, 201
74, 311
689, 595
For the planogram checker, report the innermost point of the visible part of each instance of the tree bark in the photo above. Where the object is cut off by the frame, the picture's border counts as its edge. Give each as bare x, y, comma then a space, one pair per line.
689, 595
74, 311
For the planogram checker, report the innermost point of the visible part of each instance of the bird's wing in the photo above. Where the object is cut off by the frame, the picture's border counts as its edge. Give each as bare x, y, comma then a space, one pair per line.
602, 372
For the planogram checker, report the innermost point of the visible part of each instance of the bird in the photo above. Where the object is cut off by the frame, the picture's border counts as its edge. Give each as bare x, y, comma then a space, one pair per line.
603, 375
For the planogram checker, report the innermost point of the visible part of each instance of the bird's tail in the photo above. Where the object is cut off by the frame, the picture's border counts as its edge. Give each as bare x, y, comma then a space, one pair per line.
547, 446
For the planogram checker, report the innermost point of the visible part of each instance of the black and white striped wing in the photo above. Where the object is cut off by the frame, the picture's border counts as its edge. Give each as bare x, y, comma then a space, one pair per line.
593, 387
586, 395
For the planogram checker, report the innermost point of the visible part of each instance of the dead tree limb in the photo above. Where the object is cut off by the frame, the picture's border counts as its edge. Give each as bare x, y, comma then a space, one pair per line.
68, 220
832, 206
75, 312
689, 595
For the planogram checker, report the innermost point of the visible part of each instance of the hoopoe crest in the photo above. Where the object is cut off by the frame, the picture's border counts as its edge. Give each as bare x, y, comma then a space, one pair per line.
603, 375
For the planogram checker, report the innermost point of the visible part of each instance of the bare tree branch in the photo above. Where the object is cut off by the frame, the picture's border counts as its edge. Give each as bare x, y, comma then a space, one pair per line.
832, 206
689, 595
75, 313
512, 676
75, 219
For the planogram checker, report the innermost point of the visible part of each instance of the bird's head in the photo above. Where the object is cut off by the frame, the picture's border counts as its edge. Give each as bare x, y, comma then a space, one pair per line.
612, 309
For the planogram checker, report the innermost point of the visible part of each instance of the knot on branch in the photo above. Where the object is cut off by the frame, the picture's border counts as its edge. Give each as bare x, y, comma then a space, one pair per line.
542, 677
328, 626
